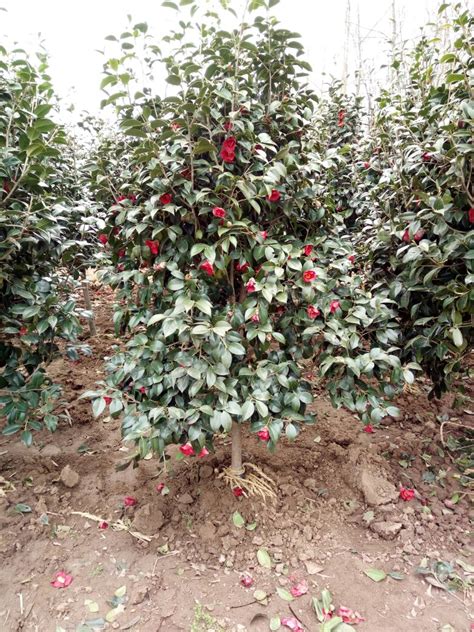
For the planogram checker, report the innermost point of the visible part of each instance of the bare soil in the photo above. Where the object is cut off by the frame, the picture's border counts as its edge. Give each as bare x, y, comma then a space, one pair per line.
179, 555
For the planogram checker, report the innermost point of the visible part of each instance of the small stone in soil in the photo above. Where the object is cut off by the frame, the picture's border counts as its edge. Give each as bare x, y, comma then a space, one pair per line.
69, 477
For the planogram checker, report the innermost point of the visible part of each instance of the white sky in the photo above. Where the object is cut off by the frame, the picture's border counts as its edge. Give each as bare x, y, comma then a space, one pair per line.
73, 31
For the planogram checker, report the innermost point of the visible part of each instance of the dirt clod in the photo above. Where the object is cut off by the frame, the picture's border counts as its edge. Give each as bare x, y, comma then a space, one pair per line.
69, 477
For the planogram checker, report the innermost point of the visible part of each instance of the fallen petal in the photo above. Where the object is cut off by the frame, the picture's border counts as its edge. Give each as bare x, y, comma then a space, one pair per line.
61, 580
292, 623
301, 588
349, 616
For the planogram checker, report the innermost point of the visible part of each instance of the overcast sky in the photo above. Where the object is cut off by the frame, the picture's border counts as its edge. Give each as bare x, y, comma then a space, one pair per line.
73, 31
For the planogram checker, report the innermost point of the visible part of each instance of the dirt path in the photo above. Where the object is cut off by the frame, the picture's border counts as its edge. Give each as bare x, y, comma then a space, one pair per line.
337, 514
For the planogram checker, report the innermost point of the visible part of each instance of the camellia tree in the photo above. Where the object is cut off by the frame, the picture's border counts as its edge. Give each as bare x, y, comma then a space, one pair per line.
228, 274
35, 305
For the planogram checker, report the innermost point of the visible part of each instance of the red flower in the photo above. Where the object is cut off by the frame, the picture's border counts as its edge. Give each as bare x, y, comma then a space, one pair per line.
175, 127
116, 230
107, 400
264, 435
349, 616
258, 147
309, 275
230, 143
121, 267
160, 487
366, 165
166, 198
129, 501
368, 428
23, 331
153, 246
406, 494
406, 235
142, 390
471, 215
204, 452
426, 156
301, 588
228, 125
217, 211
237, 491
103, 524
246, 580
418, 235
103, 239
334, 306
255, 318
352, 258
61, 580
120, 198
263, 234
308, 249
312, 311
121, 253
250, 285
242, 267
132, 198
274, 196
186, 449
228, 149
207, 267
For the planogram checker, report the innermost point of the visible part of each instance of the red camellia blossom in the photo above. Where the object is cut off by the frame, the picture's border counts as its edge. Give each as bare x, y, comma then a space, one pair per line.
103, 524
207, 267
308, 249
186, 449
121, 253
247, 581
471, 215
309, 275
340, 116
274, 196
352, 258
153, 246
264, 434
142, 390
217, 211
334, 306
204, 452
406, 235
23, 331
166, 198
250, 286
103, 239
61, 580
263, 234
121, 198
116, 230
228, 125
366, 165
312, 311
368, 428
228, 149
406, 494
121, 267
238, 491
255, 318
426, 156
242, 267
129, 501
418, 235
107, 400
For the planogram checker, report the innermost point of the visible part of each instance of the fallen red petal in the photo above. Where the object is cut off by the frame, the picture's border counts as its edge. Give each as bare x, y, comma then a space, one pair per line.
301, 588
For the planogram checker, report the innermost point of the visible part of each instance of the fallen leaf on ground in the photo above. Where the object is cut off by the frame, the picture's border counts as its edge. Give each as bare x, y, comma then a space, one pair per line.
375, 574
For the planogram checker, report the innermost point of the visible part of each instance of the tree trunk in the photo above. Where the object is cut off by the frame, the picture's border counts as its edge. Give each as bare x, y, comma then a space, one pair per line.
236, 464
88, 304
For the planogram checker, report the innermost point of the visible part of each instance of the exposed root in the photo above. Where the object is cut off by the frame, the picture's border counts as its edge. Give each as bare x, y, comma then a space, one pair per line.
252, 483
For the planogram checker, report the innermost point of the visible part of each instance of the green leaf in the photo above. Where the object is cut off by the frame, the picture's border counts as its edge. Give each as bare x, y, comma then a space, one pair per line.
264, 558
22, 508
375, 574
396, 575
456, 335
284, 594
248, 410
237, 519
98, 406
275, 623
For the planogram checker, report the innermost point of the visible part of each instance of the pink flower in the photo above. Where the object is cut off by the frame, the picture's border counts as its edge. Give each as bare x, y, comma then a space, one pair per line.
312, 311
237, 491
160, 487
121, 267
368, 428
274, 196
61, 580
247, 580
153, 246
264, 434
103, 239
349, 616
406, 494
166, 198
418, 235
186, 449
308, 249
129, 501
175, 127
352, 258
103, 524
255, 318
142, 390
242, 267
204, 452
426, 156
366, 165
23, 331
263, 234
334, 306
250, 285
207, 267
107, 400
300, 588
309, 275
292, 623
217, 211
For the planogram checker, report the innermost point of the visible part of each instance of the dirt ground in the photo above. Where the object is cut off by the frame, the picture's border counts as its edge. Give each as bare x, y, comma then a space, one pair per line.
175, 560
